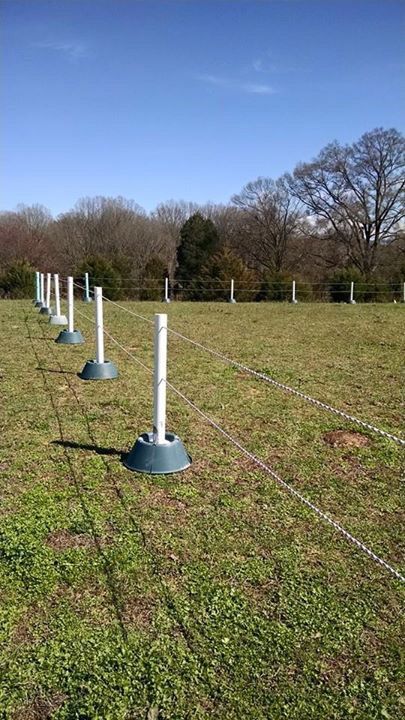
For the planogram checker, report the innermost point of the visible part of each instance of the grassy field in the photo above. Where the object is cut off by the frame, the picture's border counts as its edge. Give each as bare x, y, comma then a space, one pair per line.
211, 593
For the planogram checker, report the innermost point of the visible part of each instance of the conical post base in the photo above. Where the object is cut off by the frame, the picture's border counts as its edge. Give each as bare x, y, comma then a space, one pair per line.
232, 301
158, 459
99, 371
58, 320
87, 299
38, 303
44, 310
352, 302
66, 337
294, 302
166, 300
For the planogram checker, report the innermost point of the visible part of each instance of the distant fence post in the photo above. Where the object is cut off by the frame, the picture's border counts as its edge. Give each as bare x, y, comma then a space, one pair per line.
70, 336
57, 318
158, 452
231, 297
293, 298
46, 307
403, 292
86, 296
166, 297
100, 368
37, 301
352, 300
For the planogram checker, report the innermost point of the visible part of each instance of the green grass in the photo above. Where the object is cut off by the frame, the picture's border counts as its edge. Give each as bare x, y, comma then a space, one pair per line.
212, 593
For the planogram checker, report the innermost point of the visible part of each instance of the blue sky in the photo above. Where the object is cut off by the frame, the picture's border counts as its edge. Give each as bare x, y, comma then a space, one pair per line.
186, 100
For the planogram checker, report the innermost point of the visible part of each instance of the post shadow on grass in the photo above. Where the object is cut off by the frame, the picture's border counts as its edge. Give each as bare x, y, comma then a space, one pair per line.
92, 448
107, 565
52, 370
38, 337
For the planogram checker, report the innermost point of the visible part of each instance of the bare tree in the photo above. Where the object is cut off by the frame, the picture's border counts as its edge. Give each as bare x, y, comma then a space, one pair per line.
168, 218
270, 221
26, 233
358, 191
112, 227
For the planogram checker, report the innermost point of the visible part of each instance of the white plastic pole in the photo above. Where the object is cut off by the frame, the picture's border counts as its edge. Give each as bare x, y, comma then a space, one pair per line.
351, 292
232, 289
293, 291
98, 296
42, 298
403, 296
70, 305
57, 294
159, 380
37, 287
166, 289
87, 286
48, 290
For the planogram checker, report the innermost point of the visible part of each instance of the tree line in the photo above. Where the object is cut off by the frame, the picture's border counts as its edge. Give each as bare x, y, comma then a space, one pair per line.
335, 219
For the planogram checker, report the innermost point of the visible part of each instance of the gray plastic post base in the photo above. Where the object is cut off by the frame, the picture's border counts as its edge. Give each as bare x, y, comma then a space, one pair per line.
99, 371
352, 302
162, 459
46, 310
232, 301
66, 337
38, 303
58, 320
166, 300
294, 302
87, 299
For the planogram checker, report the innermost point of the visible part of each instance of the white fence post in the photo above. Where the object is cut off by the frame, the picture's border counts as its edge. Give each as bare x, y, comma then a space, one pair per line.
167, 299
403, 293
46, 307
159, 379
98, 297
70, 336
293, 299
100, 368
352, 300
48, 289
71, 307
232, 298
86, 298
42, 288
158, 452
57, 318
37, 301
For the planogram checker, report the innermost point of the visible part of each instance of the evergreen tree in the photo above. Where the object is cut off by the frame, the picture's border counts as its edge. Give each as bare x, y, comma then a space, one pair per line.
198, 241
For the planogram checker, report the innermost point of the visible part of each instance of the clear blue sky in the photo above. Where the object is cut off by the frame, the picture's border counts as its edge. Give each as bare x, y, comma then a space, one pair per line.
155, 100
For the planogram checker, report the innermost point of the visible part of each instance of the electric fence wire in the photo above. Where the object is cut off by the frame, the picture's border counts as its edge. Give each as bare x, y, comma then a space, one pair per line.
268, 379
289, 488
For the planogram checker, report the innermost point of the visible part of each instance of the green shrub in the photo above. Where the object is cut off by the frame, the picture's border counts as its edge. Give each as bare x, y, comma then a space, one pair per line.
152, 280
365, 290
277, 286
18, 281
339, 284
214, 281
103, 273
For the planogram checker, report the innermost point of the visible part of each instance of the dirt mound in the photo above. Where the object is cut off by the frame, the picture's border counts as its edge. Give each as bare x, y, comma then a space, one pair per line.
345, 438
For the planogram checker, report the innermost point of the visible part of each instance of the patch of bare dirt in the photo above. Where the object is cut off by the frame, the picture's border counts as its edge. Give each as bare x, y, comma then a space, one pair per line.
64, 540
138, 611
345, 438
40, 708
160, 498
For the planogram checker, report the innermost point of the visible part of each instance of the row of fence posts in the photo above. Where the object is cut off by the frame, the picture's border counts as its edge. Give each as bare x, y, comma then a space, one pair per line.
44, 301
158, 452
